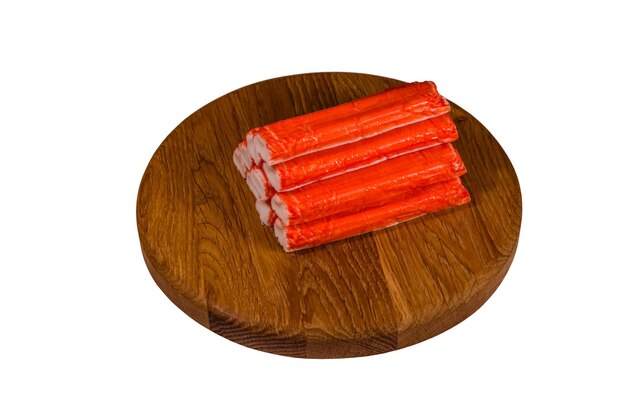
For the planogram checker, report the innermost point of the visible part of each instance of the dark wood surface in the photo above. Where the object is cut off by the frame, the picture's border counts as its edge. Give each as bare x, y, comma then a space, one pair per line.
206, 249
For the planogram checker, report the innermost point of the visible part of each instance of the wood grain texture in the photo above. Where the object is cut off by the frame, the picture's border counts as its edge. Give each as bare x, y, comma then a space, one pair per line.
206, 249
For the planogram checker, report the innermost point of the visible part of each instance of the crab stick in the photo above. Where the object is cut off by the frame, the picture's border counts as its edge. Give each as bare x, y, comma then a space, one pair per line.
267, 215
349, 122
242, 159
260, 187
368, 187
422, 201
335, 161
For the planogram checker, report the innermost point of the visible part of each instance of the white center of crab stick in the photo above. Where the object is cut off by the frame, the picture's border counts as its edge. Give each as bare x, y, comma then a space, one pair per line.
281, 235
260, 148
255, 185
280, 209
257, 181
273, 176
246, 158
253, 148
265, 213
239, 163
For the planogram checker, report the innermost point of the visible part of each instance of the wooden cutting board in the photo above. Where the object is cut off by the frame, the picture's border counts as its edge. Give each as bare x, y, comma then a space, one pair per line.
206, 249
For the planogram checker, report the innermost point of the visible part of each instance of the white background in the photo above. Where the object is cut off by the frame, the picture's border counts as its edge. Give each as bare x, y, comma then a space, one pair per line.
88, 92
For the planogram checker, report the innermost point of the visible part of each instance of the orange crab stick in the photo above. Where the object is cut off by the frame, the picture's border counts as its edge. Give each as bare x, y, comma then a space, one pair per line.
242, 159
429, 199
257, 181
349, 122
266, 214
335, 161
375, 185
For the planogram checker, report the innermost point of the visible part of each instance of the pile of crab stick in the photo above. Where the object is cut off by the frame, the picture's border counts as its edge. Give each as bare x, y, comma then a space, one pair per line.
354, 168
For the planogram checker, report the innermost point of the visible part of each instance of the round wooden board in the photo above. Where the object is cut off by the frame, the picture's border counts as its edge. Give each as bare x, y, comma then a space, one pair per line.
206, 249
